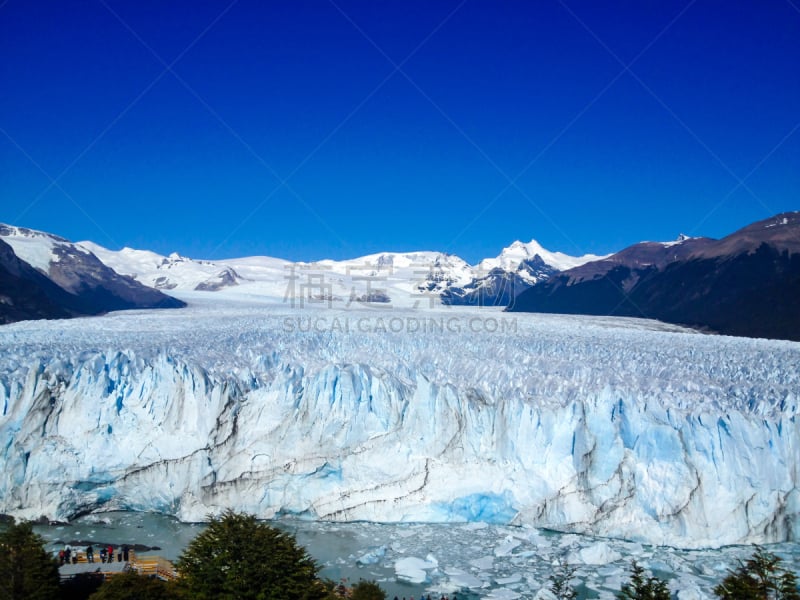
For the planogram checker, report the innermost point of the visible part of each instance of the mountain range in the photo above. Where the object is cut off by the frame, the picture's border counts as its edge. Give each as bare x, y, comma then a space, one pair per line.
397, 277
46, 276
747, 283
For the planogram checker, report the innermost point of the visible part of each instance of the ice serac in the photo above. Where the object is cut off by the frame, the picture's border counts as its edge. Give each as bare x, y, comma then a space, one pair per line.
607, 426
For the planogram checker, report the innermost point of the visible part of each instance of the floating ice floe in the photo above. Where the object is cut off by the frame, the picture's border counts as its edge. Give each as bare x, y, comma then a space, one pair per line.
459, 579
503, 594
596, 554
413, 569
372, 557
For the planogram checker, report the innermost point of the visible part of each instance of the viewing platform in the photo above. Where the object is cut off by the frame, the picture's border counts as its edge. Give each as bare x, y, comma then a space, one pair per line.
149, 566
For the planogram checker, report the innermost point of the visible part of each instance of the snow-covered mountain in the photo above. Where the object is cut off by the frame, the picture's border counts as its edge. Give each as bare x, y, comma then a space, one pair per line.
518, 253
46, 276
746, 283
165, 272
497, 281
618, 427
400, 278
114, 279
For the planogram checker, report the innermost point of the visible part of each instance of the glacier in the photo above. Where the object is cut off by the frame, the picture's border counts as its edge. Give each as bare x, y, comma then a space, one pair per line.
621, 428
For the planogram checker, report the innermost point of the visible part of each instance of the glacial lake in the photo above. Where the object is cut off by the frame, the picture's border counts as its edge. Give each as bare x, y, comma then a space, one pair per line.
476, 560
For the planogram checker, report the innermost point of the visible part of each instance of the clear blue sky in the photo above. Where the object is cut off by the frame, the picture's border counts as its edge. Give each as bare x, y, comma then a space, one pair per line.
505, 120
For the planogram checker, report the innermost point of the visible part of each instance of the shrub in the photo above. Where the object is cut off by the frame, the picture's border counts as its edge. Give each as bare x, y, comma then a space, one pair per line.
760, 578
132, 586
27, 571
367, 590
641, 587
238, 557
560, 582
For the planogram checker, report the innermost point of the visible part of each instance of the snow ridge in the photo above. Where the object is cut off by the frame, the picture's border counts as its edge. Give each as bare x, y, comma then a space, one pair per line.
405, 278
510, 258
36, 248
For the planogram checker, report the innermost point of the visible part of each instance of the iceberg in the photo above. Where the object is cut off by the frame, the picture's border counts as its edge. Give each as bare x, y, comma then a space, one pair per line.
621, 428
599, 553
372, 557
413, 569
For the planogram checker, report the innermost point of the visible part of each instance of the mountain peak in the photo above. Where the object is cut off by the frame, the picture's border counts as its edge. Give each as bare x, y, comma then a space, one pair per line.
512, 256
518, 245
530, 248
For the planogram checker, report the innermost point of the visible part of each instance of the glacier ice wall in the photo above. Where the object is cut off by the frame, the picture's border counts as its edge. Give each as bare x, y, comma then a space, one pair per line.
605, 426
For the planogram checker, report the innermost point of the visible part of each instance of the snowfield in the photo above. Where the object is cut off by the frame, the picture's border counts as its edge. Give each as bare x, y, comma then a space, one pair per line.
616, 427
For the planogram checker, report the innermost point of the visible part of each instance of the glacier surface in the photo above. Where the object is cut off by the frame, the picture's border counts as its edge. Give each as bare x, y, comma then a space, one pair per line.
621, 428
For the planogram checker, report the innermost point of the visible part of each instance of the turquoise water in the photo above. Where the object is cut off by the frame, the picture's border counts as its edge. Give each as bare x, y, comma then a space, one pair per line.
475, 560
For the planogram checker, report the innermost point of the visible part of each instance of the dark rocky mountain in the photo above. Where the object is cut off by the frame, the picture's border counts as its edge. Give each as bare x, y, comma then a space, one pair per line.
73, 282
747, 283
25, 293
225, 278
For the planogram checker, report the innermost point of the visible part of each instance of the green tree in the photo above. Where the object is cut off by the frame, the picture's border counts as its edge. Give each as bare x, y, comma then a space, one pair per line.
239, 558
132, 586
27, 571
81, 586
560, 582
641, 587
760, 578
367, 590
787, 588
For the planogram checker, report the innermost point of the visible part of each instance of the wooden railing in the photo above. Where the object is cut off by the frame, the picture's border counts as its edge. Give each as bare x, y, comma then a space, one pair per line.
154, 566
81, 556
